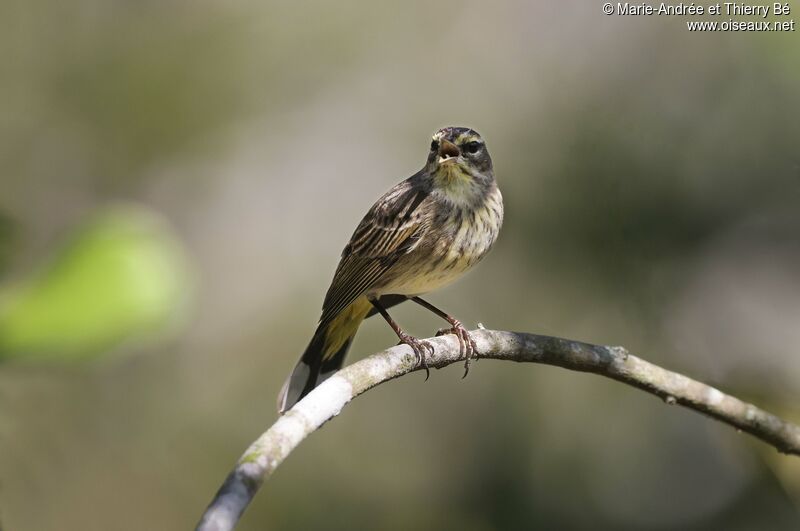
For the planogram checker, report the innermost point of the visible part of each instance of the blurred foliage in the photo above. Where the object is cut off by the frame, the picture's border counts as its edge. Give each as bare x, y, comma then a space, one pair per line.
6, 239
697, 169
121, 275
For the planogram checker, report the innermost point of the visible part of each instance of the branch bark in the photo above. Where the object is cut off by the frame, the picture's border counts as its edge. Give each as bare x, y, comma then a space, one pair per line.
327, 400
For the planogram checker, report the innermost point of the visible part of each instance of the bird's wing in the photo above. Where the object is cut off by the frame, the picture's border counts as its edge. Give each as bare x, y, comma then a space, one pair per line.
391, 228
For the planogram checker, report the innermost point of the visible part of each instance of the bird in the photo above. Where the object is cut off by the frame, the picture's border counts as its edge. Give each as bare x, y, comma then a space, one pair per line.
421, 235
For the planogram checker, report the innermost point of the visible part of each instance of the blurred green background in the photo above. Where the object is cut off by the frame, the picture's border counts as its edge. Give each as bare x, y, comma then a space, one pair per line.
177, 181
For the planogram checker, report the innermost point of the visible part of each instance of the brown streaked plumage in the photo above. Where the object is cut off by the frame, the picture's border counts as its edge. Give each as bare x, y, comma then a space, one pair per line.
421, 235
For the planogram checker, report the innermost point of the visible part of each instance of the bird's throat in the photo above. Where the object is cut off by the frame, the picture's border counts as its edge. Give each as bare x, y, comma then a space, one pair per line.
450, 173
457, 185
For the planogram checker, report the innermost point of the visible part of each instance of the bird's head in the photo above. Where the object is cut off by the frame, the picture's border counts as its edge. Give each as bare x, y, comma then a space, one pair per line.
458, 156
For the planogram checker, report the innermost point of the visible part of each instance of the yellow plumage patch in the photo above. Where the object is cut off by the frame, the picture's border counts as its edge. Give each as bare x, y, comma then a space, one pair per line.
451, 173
463, 138
344, 326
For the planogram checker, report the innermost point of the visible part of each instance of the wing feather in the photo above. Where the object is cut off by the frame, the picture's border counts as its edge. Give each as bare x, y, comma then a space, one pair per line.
390, 229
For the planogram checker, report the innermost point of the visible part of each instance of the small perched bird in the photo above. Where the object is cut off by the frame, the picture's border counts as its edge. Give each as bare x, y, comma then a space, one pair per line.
421, 235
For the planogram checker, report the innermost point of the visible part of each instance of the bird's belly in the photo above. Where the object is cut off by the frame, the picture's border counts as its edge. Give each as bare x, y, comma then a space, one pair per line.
423, 280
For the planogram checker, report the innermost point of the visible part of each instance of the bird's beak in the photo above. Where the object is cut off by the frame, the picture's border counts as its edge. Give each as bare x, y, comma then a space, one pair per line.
448, 151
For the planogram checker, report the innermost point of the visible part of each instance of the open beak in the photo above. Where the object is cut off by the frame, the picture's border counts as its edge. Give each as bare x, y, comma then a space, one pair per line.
448, 152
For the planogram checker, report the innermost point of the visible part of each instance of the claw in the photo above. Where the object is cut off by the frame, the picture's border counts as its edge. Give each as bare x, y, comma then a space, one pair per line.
466, 345
472, 348
419, 347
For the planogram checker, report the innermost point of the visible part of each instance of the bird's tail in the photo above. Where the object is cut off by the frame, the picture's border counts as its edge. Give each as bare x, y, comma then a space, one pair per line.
324, 355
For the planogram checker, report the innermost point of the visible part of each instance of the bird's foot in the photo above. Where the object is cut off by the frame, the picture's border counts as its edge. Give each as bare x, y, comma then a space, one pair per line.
421, 349
466, 345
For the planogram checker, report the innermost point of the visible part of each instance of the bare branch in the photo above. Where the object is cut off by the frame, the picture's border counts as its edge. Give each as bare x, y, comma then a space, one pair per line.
327, 400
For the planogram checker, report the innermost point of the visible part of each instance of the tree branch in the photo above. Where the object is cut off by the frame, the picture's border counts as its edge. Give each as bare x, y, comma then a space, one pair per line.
327, 400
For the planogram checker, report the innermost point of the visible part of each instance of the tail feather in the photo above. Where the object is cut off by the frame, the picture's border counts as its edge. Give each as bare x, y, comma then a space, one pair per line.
311, 371
324, 355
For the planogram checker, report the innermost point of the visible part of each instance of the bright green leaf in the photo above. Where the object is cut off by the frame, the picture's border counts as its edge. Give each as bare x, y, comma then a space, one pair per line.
121, 276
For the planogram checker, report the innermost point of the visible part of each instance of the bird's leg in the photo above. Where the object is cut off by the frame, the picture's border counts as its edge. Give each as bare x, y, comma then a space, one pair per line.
466, 345
418, 346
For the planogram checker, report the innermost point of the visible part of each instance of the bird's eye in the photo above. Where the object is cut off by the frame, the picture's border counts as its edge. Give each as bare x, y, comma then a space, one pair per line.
434, 145
473, 147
